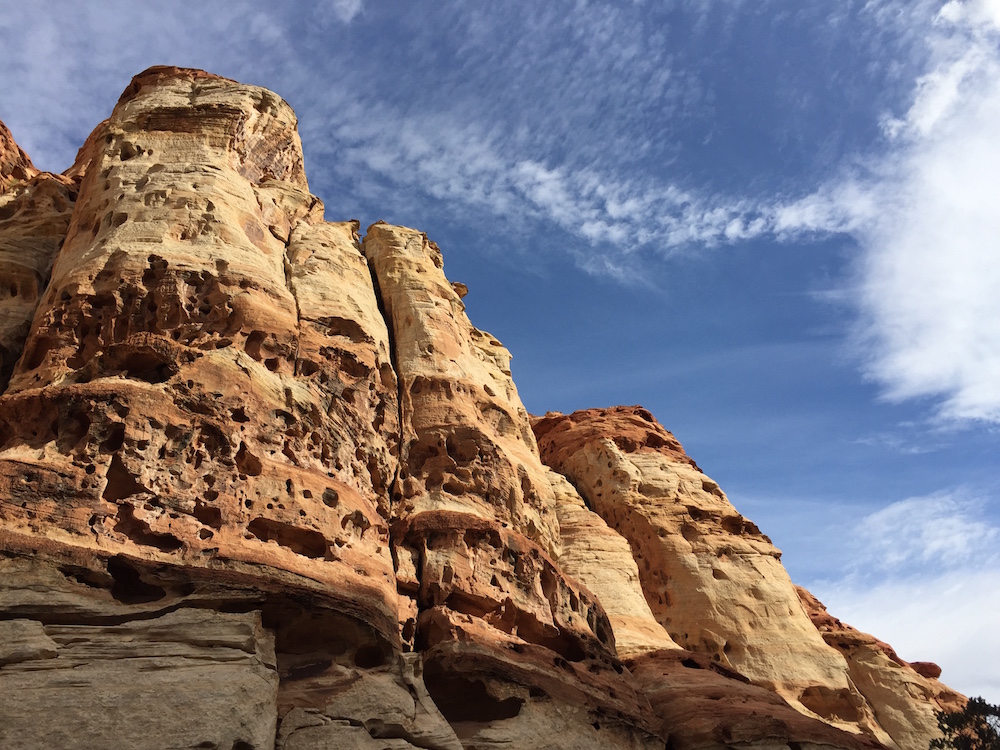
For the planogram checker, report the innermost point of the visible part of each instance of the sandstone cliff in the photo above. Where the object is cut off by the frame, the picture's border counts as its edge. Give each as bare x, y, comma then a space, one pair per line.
264, 485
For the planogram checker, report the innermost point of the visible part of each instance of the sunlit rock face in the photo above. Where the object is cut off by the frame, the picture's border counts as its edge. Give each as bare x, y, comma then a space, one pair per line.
905, 696
601, 559
712, 579
264, 485
186, 392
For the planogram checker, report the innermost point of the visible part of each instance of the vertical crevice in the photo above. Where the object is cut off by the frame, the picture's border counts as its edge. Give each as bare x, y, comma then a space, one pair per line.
298, 310
287, 268
394, 488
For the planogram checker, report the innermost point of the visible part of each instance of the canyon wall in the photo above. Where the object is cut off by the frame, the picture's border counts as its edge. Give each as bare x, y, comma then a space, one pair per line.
263, 485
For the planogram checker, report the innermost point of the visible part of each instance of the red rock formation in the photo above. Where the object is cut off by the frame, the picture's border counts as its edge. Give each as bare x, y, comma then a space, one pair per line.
15, 165
164, 406
264, 485
926, 669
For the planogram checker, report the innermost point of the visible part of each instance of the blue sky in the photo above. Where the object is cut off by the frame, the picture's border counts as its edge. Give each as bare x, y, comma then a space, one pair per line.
774, 224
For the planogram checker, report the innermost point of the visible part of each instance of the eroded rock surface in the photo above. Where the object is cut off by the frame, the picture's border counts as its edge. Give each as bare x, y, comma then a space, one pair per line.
15, 165
35, 211
467, 445
264, 485
904, 696
187, 393
712, 579
601, 559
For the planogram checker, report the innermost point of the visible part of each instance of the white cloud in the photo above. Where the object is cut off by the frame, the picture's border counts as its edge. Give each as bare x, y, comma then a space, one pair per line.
951, 619
467, 165
924, 214
346, 10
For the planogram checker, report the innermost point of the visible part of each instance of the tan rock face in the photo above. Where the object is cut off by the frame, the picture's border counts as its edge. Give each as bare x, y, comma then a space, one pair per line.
904, 696
475, 527
712, 580
34, 218
34, 215
475, 523
189, 392
600, 559
467, 444
264, 486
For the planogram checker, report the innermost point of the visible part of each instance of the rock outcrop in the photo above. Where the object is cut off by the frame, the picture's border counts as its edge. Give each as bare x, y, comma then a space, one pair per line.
35, 211
263, 485
904, 696
712, 579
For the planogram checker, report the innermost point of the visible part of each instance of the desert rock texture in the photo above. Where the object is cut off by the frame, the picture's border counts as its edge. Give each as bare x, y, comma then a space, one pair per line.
264, 486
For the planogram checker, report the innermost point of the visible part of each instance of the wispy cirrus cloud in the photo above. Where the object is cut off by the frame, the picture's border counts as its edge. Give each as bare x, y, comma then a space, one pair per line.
942, 531
923, 575
579, 117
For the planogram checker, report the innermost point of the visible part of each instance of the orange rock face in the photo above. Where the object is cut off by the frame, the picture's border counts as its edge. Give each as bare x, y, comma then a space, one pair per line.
264, 485
15, 165
174, 399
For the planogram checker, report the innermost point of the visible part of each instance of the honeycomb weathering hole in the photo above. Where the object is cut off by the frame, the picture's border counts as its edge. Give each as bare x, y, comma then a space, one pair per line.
461, 700
247, 462
300, 541
128, 587
121, 483
139, 531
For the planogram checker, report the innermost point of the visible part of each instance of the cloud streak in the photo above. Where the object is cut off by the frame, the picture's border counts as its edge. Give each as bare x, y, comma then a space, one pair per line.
945, 530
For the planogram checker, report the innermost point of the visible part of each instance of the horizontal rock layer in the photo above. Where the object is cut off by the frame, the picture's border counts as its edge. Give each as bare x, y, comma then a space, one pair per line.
264, 485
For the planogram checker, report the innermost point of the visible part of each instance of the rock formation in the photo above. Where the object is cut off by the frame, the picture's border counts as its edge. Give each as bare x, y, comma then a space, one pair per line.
904, 696
713, 580
264, 485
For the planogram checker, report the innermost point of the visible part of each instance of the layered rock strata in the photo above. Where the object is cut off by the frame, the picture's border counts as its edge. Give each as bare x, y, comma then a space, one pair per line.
264, 485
